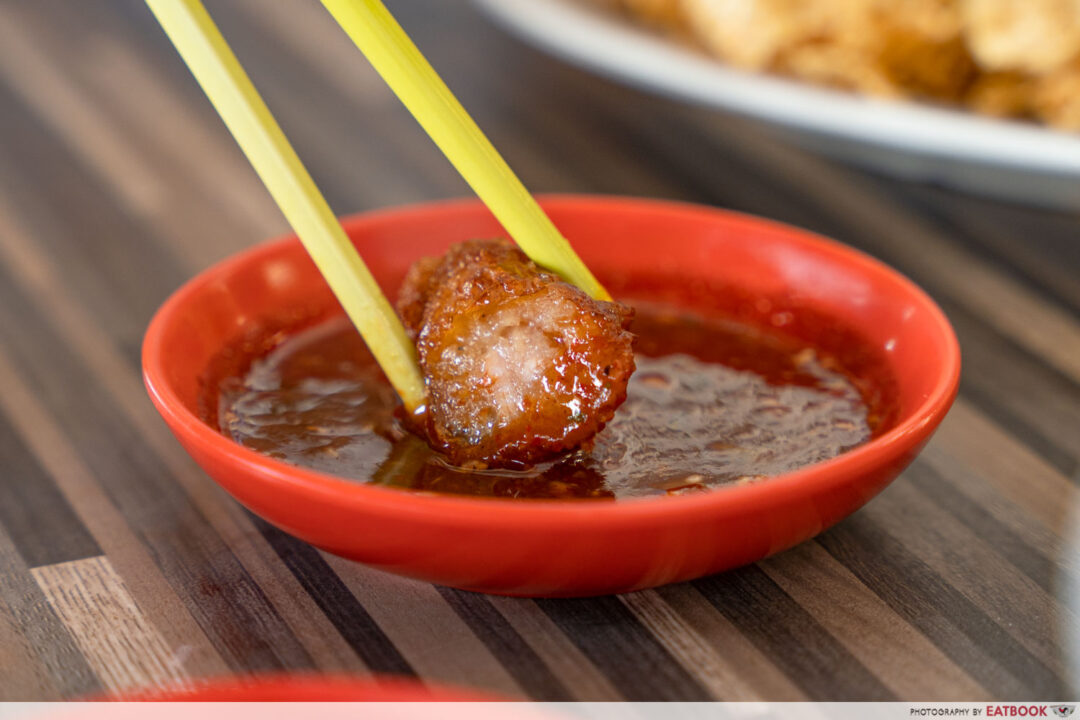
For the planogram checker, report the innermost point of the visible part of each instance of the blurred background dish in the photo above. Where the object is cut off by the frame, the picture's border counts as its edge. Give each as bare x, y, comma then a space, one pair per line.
1002, 158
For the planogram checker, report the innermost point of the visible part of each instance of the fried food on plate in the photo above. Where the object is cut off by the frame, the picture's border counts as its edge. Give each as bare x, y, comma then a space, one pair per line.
1030, 36
1008, 58
664, 14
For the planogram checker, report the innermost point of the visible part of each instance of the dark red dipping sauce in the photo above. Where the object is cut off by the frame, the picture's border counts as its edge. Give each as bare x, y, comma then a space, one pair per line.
713, 402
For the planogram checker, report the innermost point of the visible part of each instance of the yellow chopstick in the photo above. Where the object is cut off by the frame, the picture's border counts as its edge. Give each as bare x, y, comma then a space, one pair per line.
411, 77
224, 81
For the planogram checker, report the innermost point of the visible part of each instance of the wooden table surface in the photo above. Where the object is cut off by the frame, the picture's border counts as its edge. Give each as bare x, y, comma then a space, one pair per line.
122, 565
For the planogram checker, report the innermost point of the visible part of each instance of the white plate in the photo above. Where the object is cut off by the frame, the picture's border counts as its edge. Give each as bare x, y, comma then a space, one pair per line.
1005, 159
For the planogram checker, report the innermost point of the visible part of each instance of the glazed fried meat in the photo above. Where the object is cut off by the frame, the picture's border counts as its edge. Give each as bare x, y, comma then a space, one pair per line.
519, 365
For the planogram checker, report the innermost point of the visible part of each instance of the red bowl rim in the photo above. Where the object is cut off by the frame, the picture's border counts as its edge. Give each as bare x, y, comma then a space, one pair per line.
468, 510
334, 687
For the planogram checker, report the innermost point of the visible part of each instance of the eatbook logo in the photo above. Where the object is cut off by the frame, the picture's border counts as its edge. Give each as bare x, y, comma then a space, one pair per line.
1063, 711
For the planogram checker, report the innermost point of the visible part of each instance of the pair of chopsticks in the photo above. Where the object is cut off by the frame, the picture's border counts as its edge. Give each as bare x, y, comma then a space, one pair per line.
411, 77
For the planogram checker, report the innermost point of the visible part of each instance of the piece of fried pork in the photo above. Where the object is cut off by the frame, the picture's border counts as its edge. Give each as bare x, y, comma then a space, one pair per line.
519, 365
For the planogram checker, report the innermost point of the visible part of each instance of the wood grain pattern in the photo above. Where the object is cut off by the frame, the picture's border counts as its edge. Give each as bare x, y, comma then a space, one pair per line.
48, 659
122, 564
891, 649
118, 642
707, 663
146, 582
560, 655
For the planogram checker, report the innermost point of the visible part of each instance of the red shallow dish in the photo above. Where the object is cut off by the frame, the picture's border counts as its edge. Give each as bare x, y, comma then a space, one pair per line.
550, 547
304, 688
